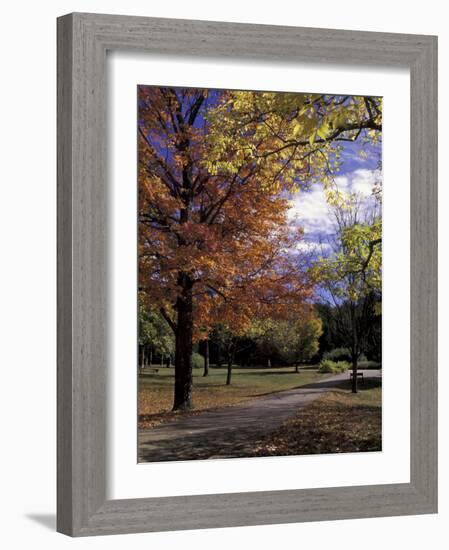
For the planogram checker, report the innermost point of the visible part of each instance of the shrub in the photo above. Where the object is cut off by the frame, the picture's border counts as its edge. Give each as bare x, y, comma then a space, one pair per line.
338, 354
327, 365
197, 360
369, 365
342, 354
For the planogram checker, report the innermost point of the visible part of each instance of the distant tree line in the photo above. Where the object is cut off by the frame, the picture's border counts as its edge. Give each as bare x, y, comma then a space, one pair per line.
335, 332
267, 343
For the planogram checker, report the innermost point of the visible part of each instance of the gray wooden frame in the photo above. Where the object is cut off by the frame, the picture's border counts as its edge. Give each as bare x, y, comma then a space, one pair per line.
83, 40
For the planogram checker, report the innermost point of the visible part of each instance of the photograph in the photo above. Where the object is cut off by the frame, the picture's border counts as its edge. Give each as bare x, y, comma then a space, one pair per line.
260, 273
231, 287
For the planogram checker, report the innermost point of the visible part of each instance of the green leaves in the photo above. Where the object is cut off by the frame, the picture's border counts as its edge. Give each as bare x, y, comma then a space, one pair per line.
324, 130
356, 269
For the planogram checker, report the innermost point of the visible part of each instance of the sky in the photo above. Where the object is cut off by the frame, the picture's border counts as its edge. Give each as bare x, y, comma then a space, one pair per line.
358, 173
309, 208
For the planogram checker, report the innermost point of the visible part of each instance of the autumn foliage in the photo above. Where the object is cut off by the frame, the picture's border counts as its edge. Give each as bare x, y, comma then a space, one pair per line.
216, 169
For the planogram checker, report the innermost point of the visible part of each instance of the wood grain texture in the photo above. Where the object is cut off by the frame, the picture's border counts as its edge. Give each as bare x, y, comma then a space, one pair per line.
83, 40
64, 277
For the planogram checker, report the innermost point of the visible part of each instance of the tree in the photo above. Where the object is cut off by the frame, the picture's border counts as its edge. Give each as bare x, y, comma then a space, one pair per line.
306, 342
154, 335
205, 346
230, 343
351, 276
214, 167
293, 340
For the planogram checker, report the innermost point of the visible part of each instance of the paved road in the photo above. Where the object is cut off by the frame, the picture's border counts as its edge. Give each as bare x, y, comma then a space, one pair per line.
230, 431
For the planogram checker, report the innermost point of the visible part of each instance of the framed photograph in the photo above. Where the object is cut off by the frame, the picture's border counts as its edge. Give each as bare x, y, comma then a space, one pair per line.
247, 274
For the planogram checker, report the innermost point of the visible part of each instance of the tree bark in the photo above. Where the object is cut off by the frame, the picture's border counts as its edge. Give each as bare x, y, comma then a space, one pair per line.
296, 367
206, 357
184, 346
354, 350
229, 374
141, 361
354, 375
151, 357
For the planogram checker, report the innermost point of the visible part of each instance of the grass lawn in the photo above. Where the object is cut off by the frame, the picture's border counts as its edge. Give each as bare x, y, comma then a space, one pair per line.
156, 389
338, 422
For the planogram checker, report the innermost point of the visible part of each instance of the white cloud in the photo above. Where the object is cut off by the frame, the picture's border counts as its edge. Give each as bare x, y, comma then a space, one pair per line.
363, 181
343, 183
311, 246
310, 210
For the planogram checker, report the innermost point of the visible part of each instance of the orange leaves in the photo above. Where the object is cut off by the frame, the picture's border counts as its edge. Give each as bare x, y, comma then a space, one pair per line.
209, 208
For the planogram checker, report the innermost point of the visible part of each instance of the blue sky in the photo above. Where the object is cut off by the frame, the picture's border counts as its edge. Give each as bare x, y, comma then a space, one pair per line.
357, 174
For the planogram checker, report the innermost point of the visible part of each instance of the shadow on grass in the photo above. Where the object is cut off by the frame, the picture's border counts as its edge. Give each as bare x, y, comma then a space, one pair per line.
216, 434
338, 425
218, 371
367, 384
263, 373
326, 428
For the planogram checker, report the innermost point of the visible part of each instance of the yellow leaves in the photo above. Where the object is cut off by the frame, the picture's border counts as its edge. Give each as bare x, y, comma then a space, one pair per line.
324, 130
287, 136
337, 119
356, 269
297, 128
212, 197
336, 198
312, 137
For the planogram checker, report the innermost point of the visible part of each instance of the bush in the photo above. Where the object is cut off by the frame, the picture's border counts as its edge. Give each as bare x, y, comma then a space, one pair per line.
197, 360
369, 365
338, 354
342, 354
335, 367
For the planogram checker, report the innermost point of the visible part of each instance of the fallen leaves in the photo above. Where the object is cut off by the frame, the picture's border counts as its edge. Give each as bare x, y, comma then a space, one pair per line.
155, 398
338, 422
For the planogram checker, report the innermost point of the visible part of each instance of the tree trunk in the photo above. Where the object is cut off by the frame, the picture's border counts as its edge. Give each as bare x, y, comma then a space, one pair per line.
354, 374
141, 361
354, 357
354, 348
184, 346
229, 374
206, 358
151, 357
296, 366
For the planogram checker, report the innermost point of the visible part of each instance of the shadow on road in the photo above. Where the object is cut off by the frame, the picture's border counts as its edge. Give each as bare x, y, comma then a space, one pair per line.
234, 431
234, 444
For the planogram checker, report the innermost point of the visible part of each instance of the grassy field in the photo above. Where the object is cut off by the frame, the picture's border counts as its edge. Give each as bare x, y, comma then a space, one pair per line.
338, 422
156, 389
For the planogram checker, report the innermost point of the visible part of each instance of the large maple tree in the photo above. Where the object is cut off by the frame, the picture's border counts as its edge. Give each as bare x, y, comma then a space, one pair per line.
216, 169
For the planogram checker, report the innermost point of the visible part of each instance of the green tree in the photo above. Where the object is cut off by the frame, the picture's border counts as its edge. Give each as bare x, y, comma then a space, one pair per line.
351, 276
294, 340
155, 336
214, 170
